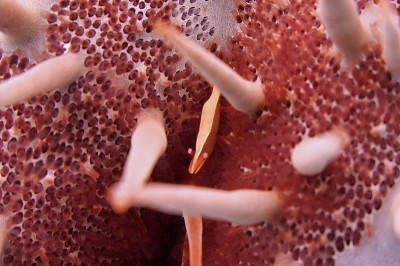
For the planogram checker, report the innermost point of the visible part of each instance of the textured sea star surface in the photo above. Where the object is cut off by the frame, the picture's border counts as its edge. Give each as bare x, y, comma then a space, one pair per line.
61, 151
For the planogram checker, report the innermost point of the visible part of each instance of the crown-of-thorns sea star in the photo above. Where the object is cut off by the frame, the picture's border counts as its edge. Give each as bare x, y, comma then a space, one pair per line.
295, 163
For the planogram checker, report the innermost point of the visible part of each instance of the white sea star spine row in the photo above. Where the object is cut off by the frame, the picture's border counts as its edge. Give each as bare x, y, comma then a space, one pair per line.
343, 25
245, 96
148, 143
312, 155
238, 207
17, 21
55, 73
391, 40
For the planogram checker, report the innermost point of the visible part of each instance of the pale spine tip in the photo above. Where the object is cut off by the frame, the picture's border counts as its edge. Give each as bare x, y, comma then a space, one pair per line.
245, 96
52, 74
238, 207
341, 20
148, 144
312, 155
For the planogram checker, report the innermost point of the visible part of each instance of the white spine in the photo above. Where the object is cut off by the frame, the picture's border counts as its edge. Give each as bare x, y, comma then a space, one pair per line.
244, 95
239, 207
391, 40
52, 74
343, 25
148, 143
312, 155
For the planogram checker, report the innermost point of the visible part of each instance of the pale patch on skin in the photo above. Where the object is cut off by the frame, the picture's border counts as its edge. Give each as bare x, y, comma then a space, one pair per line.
219, 14
28, 23
396, 215
379, 131
285, 260
381, 245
